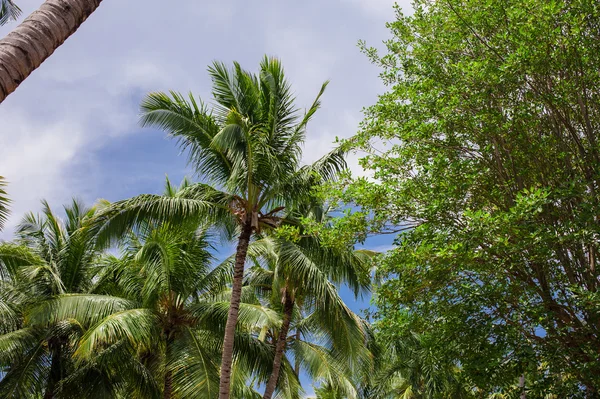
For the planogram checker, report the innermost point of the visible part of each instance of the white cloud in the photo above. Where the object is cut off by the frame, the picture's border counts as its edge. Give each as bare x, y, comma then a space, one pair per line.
381, 9
87, 94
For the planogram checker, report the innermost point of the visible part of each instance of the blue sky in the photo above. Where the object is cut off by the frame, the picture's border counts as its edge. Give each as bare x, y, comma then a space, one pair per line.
71, 128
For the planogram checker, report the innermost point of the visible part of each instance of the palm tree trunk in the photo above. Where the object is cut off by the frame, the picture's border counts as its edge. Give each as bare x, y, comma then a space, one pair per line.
297, 360
55, 374
288, 308
168, 386
35, 39
234, 307
168, 382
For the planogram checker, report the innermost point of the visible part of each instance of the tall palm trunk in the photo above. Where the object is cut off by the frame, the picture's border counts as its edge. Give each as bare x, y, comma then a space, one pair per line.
55, 374
288, 308
236, 296
297, 360
35, 39
168, 386
168, 382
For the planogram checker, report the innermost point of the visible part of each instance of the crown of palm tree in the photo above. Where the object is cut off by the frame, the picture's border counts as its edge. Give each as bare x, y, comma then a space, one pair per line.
173, 312
247, 148
51, 257
300, 277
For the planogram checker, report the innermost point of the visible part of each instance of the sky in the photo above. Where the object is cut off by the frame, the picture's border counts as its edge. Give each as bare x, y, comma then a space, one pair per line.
71, 129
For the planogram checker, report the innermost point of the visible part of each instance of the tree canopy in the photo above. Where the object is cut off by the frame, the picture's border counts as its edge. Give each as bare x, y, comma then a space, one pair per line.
484, 152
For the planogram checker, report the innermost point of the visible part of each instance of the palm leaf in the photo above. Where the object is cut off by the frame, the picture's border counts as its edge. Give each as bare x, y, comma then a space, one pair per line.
9, 11
137, 326
4, 200
86, 309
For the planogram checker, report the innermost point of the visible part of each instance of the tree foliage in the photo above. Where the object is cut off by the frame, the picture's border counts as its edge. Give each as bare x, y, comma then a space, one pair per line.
4, 203
484, 151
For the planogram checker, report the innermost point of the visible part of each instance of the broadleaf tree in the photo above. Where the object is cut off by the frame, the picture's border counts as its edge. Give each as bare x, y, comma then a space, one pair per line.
484, 150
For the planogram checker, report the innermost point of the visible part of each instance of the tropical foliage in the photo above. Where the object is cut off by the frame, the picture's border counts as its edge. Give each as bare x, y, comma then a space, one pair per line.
484, 166
4, 203
127, 299
248, 148
50, 259
297, 277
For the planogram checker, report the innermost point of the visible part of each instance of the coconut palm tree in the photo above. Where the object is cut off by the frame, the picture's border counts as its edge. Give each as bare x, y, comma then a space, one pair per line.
176, 314
412, 368
49, 258
248, 149
35, 39
299, 278
4, 203
170, 311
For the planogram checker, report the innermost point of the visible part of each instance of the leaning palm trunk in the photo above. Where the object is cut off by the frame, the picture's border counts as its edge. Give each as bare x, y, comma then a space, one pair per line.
236, 296
35, 39
288, 309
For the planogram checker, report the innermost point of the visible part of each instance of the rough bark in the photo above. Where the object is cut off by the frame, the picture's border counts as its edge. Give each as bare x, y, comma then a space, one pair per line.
35, 39
168, 386
55, 374
168, 382
297, 360
236, 296
288, 308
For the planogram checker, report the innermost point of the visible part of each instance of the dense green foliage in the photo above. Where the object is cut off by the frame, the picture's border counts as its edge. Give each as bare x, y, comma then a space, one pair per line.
149, 322
485, 166
485, 152
297, 277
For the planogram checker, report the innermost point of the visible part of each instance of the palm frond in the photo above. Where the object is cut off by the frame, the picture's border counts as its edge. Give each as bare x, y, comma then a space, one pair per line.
323, 365
9, 11
137, 326
86, 309
4, 200
192, 124
250, 315
13, 257
195, 205
195, 372
27, 377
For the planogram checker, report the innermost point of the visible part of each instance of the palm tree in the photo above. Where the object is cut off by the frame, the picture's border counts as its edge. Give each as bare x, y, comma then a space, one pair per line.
50, 258
175, 319
300, 281
35, 39
162, 304
412, 368
4, 203
249, 149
